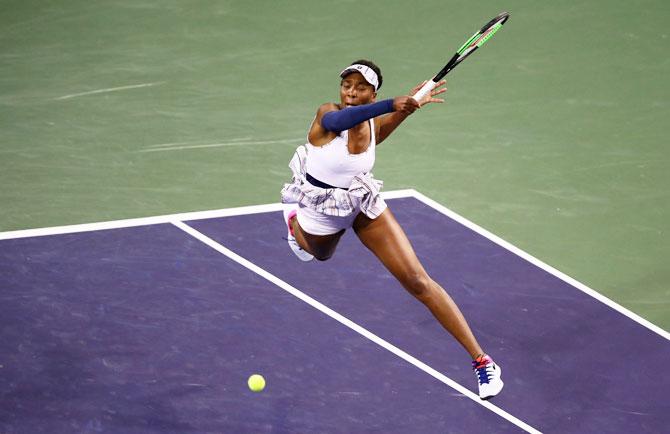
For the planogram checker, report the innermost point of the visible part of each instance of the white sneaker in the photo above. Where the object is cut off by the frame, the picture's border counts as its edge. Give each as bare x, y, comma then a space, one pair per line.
488, 377
301, 253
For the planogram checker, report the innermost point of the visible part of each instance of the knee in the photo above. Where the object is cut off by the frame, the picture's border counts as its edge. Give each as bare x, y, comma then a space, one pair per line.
319, 256
322, 254
418, 284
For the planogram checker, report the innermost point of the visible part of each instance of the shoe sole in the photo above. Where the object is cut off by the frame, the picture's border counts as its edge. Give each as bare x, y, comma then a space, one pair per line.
486, 398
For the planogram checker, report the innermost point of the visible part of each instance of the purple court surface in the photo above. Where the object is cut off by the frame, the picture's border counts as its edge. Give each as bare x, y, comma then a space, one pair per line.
150, 329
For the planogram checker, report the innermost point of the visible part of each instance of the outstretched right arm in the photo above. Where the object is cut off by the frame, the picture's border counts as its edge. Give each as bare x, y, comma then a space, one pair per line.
330, 119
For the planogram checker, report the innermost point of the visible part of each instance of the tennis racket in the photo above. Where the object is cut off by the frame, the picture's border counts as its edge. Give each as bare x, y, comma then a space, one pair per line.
470, 46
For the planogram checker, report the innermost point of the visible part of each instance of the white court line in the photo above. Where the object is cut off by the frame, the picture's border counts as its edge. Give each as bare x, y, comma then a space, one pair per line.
169, 145
179, 147
110, 89
145, 221
142, 221
352, 325
117, 224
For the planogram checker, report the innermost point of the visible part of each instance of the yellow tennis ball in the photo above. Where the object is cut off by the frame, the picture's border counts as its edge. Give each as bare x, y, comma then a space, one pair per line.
256, 383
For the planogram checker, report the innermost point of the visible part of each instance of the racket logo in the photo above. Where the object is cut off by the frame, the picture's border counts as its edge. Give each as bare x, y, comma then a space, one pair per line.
486, 36
475, 41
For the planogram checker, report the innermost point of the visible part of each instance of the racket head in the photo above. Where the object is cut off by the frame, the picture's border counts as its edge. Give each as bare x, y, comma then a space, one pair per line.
475, 41
483, 35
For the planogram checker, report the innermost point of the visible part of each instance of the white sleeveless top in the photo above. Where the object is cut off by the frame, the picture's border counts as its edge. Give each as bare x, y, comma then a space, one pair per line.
333, 164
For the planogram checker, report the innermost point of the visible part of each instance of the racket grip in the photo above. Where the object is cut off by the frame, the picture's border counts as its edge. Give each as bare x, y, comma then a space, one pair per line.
425, 90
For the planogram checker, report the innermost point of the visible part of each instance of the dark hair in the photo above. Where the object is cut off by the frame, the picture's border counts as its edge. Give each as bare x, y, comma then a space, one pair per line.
370, 64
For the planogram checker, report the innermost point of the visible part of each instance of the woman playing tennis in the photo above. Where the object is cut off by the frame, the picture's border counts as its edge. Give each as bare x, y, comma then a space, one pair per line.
333, 189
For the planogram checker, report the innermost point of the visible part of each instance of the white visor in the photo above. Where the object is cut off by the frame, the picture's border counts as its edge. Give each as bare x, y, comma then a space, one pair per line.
368, 74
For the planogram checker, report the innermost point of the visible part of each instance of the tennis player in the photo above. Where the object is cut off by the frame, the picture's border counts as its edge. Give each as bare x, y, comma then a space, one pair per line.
333, 189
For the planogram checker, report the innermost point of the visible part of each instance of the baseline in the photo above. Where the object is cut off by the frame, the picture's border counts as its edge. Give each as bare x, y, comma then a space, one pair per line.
168, 218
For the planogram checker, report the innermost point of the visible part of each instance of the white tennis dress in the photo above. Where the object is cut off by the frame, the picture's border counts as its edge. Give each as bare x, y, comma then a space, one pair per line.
333, 164
324, 211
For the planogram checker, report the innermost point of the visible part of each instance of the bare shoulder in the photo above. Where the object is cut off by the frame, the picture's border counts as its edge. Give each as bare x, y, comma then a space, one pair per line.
318, 135
327, 107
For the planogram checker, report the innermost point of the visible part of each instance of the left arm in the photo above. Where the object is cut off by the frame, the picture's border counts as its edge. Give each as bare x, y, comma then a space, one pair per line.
386, 124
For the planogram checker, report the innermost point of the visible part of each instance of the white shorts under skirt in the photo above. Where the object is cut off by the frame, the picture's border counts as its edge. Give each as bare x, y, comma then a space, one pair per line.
316, 223
325, 211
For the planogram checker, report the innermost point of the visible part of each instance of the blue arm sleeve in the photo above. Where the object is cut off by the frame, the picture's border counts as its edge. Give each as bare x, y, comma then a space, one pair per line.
344, 119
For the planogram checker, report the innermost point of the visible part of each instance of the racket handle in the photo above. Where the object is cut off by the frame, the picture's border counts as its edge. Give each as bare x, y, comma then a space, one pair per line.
425, 90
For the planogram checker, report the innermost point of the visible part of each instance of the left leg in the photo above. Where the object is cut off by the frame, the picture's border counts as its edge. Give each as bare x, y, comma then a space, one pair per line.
386, 239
